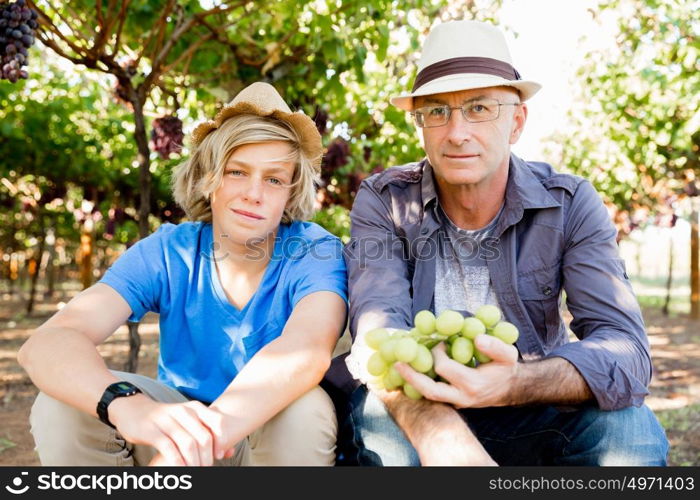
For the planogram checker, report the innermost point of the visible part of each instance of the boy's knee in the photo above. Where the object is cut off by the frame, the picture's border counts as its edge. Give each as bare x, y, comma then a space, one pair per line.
315, 405
304, 433
52, 418
64, 435
313, 415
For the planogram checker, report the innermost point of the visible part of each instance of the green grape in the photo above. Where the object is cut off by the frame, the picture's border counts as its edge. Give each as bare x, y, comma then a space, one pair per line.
411, 391
425, 322
472, 327
451, 339
414, 333
449, 322
431, 373
505, 331
399, 333
462, 350
375, 338
392, 379
472, 362
377, 383
430, 343
376, 365
388, 350
480, 356
406, 350
489, 315
423, 360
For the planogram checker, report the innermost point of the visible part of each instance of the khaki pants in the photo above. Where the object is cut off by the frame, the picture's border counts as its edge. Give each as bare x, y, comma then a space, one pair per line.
304, 433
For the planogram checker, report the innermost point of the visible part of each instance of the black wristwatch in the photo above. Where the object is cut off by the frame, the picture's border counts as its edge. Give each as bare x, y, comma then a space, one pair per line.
116, 390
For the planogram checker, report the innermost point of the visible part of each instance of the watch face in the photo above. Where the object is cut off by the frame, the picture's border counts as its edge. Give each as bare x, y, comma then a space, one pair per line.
123, 389
116, 390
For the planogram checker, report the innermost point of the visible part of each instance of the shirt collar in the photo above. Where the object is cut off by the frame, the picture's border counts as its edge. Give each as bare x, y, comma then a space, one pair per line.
525, 188
427, 187
523, 191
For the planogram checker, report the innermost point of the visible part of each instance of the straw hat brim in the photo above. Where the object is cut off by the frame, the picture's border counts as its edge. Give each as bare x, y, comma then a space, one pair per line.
310, 138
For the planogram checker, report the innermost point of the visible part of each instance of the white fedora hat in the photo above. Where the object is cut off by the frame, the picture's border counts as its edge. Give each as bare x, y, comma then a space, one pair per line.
463, 55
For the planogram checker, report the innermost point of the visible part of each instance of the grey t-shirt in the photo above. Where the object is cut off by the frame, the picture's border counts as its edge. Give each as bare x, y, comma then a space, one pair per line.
462, 281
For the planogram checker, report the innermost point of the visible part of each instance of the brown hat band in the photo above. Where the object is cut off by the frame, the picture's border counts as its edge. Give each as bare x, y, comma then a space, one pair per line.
456, 65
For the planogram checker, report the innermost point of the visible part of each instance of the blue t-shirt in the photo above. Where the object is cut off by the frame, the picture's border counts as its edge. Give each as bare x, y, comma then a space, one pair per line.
204, 339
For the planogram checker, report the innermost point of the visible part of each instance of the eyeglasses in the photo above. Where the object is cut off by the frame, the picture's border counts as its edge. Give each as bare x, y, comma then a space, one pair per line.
481, 110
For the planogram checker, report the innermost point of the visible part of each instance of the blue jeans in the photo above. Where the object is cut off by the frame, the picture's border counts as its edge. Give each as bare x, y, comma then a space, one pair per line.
532, 435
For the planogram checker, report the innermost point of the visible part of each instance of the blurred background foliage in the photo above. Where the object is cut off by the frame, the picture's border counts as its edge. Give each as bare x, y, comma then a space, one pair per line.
88, 141
635, 125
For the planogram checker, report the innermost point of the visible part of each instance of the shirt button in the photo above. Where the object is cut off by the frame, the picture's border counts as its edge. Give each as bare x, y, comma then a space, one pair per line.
547, 290
424, 230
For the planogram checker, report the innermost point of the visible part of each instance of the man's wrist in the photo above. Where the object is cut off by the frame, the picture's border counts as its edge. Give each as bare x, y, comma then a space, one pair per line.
516, 389
550, 380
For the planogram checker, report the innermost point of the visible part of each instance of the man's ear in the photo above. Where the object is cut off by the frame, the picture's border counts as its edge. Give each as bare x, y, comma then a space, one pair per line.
519, 119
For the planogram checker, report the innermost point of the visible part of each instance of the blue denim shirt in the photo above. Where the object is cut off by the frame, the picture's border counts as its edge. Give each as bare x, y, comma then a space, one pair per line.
554, 236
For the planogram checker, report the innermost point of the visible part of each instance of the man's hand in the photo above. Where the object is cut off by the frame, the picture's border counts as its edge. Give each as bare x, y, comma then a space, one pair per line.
487, 385
183, 433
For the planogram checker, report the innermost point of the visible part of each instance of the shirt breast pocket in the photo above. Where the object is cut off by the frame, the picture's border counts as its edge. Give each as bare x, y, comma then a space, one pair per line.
539, 290
259, 338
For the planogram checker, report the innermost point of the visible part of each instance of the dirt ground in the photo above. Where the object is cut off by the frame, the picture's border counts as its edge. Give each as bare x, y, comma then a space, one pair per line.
675, 388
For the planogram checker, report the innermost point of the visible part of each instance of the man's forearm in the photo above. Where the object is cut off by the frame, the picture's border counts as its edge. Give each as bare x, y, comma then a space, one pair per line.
549, 381
436, 431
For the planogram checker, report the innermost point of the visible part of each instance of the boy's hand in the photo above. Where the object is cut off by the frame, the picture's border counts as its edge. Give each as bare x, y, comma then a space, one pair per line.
183, 433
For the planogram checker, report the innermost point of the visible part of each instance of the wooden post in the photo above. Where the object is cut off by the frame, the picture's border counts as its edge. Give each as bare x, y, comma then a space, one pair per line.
669, 280
50, 273
132, 363
14, 271
694, 262
35, 266
85, 258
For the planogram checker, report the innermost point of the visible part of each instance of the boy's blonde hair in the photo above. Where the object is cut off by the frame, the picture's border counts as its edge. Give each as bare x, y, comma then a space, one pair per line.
197, 178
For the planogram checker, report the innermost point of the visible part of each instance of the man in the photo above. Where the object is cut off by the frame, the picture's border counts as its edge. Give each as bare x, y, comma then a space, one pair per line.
536, 233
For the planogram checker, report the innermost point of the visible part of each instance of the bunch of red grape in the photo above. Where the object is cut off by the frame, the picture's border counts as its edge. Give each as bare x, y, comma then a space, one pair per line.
337, 155
321, 120
17, 25
167, 135
413, 347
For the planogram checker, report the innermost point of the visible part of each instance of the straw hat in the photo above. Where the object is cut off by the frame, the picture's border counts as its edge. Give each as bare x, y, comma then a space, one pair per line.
463, 55
262, 99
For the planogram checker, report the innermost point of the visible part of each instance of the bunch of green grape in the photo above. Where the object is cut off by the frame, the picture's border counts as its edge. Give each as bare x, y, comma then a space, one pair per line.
413, 347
